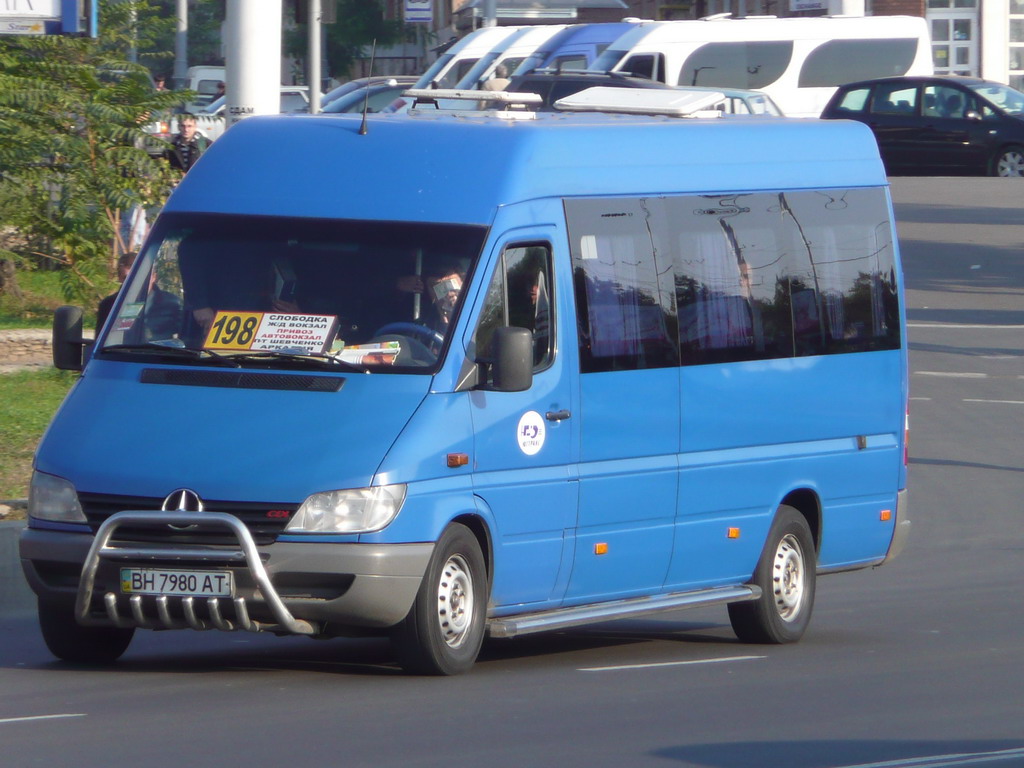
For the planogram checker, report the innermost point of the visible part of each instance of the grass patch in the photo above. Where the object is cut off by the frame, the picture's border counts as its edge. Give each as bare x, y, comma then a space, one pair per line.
28, 400
41, 294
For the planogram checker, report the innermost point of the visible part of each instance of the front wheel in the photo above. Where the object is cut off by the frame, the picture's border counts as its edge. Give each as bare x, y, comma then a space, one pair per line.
785, 573
444, 630
70, 641
1009, 162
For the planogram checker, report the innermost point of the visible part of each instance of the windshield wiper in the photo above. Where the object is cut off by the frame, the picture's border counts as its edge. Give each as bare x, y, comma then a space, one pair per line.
162, 350
314, 359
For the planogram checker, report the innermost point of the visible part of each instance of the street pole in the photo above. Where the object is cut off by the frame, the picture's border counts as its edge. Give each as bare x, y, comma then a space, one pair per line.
180, 77
490, 13
313, 56
252, 59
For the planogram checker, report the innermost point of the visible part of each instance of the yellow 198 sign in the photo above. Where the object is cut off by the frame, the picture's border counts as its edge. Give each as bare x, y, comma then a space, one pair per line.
233, 330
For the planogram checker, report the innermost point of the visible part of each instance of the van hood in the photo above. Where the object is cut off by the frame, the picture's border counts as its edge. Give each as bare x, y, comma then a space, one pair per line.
116, 435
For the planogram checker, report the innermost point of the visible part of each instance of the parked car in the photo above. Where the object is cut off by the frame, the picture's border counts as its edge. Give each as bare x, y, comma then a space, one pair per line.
375, 96
943, 124
552, 86
210, 121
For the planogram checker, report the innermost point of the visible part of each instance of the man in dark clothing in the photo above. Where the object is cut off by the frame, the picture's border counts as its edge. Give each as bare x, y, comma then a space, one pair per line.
187, 146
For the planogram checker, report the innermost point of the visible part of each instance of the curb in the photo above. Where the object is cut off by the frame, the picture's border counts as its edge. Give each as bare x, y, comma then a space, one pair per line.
15, 595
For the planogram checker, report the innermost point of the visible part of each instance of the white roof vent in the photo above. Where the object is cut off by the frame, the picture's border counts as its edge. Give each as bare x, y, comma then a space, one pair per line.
643, 101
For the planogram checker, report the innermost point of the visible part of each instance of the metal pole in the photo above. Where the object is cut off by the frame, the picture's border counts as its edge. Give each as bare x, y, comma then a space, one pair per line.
313, 56
181, 46
490, 13
252, 59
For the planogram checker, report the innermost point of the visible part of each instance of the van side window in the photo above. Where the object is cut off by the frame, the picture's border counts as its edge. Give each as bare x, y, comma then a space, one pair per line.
786, 274
836, 62
737, 65
649, 65
728, 278
623, 287
520, 295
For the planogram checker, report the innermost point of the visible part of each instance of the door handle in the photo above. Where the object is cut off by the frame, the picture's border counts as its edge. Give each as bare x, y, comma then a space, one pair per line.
561, 415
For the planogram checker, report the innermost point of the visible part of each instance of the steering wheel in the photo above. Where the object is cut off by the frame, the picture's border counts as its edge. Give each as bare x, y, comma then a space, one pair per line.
430, 337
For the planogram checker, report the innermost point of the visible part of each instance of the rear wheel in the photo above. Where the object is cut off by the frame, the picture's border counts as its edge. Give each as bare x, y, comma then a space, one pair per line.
785, 573
70, 641
445, 627
1009, 162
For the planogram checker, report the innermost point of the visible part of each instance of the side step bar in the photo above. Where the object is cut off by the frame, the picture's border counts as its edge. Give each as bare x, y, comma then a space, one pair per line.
563, 618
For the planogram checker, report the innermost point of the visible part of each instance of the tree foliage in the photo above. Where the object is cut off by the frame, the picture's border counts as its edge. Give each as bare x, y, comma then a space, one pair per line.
359, 24
73, 156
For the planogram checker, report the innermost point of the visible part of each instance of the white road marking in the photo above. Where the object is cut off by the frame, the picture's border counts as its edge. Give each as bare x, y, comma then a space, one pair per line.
998, 402
38, 717
967, 326
670, 664
945, 761
920, 398
952, 375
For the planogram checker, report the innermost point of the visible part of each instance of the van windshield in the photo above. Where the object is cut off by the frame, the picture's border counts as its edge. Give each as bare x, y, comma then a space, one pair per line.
286, 292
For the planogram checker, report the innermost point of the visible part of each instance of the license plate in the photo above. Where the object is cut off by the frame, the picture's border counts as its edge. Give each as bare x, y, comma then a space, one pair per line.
158, 581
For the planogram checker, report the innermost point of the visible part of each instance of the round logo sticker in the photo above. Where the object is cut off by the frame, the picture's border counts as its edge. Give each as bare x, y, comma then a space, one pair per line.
530, 433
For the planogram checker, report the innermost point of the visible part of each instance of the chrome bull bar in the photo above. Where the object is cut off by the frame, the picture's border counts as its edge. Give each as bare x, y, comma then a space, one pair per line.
247, 554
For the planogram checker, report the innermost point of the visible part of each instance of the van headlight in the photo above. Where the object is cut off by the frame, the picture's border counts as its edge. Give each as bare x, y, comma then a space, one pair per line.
359, 510
54, 498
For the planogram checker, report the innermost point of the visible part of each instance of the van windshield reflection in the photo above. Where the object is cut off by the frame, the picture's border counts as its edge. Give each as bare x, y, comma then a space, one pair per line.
284, 292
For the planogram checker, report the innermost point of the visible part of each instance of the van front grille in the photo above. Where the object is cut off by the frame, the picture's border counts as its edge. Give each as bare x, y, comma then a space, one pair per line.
264, 521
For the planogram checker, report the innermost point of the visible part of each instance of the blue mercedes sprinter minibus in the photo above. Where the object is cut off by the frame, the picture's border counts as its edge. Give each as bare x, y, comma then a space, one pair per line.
440, 376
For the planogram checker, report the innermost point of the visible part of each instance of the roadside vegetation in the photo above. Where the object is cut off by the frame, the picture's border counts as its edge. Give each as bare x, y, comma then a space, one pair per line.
28, 400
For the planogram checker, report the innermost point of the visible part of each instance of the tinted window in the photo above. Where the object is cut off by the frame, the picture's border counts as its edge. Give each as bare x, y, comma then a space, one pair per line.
894, 99
649, 65
772, 275
945, 101
853, 101
737, 65
623, 287
753, 276
835, 62
520, 295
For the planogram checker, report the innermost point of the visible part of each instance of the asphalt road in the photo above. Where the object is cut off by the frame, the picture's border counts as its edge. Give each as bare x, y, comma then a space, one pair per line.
914, 664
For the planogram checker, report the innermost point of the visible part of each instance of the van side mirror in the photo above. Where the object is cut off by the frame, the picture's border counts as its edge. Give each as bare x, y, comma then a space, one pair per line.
68, 344
512, 370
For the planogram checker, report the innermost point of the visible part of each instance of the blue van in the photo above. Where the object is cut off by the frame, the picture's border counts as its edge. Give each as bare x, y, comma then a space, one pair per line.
437, 376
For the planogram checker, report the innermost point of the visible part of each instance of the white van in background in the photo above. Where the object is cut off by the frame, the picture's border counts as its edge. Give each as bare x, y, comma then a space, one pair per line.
204, 81
510, 53
799, 62
455, 63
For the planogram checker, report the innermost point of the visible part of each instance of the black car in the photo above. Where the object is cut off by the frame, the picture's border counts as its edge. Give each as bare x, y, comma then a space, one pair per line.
944, 125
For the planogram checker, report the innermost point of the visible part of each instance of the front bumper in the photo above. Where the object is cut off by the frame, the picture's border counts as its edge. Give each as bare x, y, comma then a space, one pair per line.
310, 588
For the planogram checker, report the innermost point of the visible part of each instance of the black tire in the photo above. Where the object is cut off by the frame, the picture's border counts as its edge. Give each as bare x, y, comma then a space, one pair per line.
786, 575
70, 641
1008, 162
432, 640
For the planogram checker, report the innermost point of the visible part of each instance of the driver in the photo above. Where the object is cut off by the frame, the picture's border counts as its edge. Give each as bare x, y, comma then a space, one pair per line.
439, 287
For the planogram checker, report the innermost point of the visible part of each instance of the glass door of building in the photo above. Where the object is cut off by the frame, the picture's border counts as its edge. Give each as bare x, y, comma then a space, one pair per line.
954, 26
